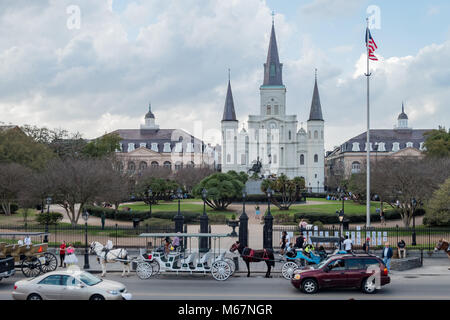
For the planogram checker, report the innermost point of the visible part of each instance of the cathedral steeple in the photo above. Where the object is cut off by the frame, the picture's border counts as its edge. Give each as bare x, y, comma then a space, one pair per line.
273, 67
228, 112
316, 109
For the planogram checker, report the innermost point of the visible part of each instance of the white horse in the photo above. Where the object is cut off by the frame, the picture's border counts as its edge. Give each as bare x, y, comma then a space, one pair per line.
111, 256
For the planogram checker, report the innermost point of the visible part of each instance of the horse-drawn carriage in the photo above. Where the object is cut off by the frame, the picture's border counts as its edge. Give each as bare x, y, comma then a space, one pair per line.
31, 259
188, 261
302, 258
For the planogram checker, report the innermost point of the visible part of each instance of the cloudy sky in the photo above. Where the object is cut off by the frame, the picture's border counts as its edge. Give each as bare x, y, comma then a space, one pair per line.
98, 73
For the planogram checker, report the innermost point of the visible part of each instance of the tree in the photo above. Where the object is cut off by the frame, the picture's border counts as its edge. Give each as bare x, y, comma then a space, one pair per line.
13, 178
162, 189
190, 177
17, 147
437, 143
103, 146
222, 189
77, 182
287, 188
118, 189
407, 183
438, 207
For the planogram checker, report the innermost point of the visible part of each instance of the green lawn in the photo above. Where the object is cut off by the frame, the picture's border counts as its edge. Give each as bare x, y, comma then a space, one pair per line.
331, 206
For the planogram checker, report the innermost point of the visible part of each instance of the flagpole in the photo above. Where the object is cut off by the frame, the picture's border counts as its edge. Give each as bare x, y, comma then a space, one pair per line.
368, 139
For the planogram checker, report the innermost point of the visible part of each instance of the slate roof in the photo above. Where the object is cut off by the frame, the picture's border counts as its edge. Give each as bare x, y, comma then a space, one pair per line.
315, 112
275, 78
159, 136
388, 136
228, 111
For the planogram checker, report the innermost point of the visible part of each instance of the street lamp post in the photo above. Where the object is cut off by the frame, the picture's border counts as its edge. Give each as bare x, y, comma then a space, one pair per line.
340, 215
204, 224
243, 223
49, 201
179, 220
414, 203
150, 200
86, 253
268, 224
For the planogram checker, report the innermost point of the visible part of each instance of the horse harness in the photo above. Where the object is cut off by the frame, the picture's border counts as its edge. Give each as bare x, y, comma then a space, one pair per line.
106, 251
250, 253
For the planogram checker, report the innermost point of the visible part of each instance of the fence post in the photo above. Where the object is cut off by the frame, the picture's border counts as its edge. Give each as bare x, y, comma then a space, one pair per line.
397, 231
116, 233
429, 239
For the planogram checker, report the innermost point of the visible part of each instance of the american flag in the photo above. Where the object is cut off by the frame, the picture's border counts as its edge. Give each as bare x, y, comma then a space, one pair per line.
371, 45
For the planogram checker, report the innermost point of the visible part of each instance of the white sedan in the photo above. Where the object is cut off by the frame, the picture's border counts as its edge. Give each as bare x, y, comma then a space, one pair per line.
69, 285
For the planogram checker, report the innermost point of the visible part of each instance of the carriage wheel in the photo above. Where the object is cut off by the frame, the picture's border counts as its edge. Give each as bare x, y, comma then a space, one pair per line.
155, 267
51, 263
221, 270
287, 270
231, 263
144, 270
31, 267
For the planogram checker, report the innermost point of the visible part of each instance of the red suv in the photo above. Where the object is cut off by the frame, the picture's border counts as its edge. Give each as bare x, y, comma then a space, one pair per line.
343, 271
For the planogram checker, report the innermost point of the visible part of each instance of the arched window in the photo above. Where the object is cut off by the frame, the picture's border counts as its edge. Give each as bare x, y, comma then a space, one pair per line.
121, 166
321, 134
155, 164
228, 158
142, 166
269, 110
309, 134
356, 167
302, 159
131, 167
190, 164
316, 134
178, 165
316, 158
290, 134
167, 165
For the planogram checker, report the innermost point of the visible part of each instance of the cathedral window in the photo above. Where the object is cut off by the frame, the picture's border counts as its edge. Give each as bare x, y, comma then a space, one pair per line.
309, 134
269, 110
243, 162
316, 134
316, 158
272, 70
321, 134
290, 134
275, 110
302, 159
228, 158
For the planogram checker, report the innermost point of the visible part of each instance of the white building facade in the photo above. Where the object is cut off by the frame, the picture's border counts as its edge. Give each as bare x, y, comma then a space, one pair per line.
272, 135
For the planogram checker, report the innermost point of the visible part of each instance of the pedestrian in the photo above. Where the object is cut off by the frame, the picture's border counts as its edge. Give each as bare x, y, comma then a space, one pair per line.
382, 218
70, 258
299, 241
348, 244
62, 253
176, 242
284, 242
386, 255
302, 225
366, 246
257, 212
167, 245
401, 247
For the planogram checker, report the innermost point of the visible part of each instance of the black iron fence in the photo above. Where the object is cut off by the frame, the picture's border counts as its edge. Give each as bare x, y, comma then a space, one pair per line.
426, 238
121, 236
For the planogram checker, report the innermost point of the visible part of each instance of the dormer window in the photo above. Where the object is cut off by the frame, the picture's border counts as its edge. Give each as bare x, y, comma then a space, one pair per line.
365, 148
178, 147
355, 147
190, 147
167, 147
142, 145
409, 145
422, 147
395, 146
155, 147
381, 146
130, 147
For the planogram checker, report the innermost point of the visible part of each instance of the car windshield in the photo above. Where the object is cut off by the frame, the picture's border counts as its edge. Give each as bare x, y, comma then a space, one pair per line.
89, 279
321, 264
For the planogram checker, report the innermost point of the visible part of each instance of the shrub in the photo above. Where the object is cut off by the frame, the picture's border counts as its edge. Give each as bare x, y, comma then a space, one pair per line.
439, 207
51, 218
14, 208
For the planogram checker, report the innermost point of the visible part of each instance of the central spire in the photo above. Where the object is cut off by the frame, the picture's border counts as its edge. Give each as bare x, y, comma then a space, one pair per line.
316, 109
273, 67
228, 111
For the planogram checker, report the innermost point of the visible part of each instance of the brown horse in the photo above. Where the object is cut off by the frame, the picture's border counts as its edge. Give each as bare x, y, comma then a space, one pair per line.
250, 255
443, 245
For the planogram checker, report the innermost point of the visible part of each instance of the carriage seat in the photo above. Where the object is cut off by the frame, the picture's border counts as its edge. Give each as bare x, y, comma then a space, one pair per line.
203, 262
189, 262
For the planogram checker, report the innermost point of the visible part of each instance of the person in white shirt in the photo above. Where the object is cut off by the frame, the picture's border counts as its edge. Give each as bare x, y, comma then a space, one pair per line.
20, 242
348, 244
27, 241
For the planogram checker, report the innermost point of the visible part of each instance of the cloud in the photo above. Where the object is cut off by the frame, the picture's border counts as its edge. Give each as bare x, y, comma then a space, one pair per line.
331, 8
176, 54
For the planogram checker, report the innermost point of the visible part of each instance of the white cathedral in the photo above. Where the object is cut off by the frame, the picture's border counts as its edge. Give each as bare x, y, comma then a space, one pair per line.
272, 136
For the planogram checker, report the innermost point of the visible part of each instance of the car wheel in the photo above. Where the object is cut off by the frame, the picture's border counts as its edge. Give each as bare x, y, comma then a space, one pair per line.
310, 286
34, 296
97, 297
368, 286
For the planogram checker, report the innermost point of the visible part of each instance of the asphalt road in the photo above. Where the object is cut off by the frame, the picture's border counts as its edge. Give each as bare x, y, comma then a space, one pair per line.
186, 287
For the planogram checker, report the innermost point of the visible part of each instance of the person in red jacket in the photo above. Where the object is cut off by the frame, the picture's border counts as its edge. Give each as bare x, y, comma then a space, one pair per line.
62, 253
